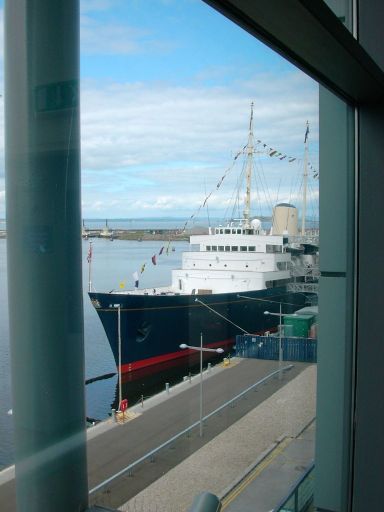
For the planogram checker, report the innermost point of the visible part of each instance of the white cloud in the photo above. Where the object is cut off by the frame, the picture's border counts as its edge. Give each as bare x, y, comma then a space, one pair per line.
156, 147
106, 38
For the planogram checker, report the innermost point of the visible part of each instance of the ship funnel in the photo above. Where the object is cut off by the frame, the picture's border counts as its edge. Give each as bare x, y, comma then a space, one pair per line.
284, 219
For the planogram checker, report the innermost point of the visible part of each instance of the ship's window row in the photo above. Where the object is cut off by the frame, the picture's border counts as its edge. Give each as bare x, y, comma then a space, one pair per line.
273, 248
241, 248
229, 231
235, 231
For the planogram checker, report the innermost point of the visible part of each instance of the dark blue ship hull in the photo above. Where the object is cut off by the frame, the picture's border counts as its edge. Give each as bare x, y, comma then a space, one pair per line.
153, 326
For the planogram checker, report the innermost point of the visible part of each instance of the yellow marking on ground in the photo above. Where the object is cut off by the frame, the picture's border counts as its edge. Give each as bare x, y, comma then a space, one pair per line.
229, 364
124, 417
255, 473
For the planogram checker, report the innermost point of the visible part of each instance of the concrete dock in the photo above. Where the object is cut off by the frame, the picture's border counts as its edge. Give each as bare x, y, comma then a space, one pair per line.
228, 447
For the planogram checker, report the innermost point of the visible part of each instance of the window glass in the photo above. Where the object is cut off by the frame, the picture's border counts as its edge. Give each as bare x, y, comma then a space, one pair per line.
155, 88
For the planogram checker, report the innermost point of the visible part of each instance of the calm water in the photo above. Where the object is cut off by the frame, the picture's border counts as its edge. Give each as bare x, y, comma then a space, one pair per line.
113, 263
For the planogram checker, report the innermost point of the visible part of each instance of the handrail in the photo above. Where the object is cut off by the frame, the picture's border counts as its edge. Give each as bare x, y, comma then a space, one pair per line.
294, 488
183, 432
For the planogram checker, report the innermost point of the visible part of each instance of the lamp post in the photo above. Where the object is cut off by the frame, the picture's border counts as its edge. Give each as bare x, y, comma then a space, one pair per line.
280, 315
201, 349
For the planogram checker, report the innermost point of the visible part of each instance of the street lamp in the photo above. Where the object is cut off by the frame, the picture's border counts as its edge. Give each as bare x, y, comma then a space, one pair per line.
201, 349
280, 315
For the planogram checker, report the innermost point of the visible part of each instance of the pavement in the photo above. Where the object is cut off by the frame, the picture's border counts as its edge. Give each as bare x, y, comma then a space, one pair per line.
272, 478
250, 444
232, 441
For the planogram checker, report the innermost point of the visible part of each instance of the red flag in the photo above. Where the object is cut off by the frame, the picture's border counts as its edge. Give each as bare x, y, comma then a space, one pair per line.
154, 259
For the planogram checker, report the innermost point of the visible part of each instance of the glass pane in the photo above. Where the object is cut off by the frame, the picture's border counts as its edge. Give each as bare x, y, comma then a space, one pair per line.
343, 9
179, 107
172, 114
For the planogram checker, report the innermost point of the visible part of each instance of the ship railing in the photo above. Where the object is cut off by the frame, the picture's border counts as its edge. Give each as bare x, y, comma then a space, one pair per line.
128, 470
303, 287
311, 238
300, 271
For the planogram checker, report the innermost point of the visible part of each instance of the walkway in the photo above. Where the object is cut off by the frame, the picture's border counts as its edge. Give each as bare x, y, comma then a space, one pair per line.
112, 447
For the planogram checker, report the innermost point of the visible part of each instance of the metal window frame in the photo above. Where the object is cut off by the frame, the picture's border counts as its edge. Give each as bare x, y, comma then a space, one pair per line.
308, 34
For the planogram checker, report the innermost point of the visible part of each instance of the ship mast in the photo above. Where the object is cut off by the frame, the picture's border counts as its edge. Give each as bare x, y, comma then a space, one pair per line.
304, 212
249, 165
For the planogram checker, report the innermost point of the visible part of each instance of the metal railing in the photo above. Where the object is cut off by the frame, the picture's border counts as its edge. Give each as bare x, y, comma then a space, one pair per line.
300, 498
150, 455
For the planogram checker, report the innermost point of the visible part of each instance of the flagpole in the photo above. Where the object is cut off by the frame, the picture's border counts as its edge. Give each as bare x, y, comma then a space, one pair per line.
119, 341
304, 212
89, 267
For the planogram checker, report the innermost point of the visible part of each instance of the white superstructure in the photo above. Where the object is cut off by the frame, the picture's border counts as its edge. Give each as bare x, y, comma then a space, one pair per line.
232, 259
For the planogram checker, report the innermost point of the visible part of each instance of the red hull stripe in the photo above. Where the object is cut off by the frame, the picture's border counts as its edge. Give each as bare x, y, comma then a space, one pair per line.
150, 361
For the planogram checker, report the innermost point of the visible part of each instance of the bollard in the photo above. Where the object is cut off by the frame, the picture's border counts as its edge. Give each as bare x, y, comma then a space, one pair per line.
114, 415
190, 377
142, 400
209, 367
206, 502
167, 387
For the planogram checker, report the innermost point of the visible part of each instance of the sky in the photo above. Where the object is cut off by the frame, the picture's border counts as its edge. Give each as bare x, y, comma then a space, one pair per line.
166, 89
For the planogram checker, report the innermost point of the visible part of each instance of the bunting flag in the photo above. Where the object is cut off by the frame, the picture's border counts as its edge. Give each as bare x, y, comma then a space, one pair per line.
154, 259
135, 276
281, 156
142, 268
161, 251
122, 284
89, 255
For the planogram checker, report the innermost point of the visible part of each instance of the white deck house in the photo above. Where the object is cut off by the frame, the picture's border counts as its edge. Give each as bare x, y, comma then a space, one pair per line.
226, 261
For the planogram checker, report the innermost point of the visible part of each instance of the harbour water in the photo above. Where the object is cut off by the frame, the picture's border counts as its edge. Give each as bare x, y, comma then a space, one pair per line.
113, 264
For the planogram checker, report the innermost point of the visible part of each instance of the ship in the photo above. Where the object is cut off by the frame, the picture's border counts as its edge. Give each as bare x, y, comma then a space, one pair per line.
227, 280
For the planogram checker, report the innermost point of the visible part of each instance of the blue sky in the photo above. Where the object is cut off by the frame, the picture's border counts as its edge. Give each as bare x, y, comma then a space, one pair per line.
166, 92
